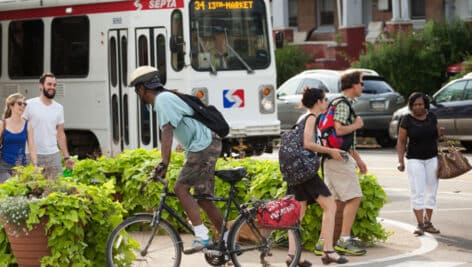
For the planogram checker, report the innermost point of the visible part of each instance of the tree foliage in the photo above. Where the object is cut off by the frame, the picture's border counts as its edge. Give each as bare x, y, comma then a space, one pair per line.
418, 61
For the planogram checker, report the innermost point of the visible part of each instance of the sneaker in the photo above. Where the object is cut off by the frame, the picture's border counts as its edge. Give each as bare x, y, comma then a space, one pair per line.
349, 248
319, 247
198, 244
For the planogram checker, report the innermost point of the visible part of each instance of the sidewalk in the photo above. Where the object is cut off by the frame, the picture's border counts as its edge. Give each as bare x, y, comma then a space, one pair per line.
400, 243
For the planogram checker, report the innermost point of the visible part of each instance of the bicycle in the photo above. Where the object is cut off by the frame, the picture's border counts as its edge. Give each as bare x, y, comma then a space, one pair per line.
160, 244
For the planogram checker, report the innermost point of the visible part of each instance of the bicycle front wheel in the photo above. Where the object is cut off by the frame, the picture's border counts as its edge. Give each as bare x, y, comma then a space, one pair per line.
250, 245
136, 243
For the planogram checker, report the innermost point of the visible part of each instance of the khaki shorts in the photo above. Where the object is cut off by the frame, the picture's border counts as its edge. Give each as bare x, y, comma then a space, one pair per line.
199, 168
341, 178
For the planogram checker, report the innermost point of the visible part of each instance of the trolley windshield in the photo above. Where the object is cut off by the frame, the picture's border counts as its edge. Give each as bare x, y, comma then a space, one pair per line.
229, 35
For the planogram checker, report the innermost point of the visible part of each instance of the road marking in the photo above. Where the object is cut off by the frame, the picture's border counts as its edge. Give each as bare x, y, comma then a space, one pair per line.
428, 263
428, 244
436, 210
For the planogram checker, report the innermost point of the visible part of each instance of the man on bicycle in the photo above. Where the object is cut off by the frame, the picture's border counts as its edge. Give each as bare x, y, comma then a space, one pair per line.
202, 148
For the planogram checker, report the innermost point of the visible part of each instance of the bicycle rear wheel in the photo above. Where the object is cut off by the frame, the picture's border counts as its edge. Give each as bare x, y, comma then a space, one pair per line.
250, 245
127, 244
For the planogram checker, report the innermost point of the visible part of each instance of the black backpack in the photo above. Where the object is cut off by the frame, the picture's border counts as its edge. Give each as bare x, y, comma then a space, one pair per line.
297, 164
209, 115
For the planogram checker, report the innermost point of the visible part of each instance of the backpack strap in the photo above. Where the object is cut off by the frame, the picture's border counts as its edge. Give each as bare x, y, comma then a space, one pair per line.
340, 99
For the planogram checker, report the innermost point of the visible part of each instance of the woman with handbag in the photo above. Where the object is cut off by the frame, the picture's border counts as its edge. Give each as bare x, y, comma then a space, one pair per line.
14, 133
315, 190
418, 141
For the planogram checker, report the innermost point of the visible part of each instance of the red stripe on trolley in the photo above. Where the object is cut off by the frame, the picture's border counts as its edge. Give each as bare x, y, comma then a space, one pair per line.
90, 9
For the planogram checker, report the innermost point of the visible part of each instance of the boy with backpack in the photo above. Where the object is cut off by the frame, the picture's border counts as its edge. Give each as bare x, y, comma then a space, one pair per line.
341, 176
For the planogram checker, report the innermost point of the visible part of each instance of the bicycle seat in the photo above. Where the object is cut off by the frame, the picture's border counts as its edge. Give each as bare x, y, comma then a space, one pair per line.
232, 175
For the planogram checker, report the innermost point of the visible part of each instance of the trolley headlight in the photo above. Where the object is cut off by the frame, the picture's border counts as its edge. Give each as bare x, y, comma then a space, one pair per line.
201, 93
266, 99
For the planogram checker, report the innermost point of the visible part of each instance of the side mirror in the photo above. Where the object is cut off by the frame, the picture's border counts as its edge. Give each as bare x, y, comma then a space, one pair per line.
279, 39
176, 44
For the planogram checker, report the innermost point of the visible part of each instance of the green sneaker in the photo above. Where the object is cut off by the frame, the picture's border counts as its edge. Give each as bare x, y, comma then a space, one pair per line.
319, 247
349, 248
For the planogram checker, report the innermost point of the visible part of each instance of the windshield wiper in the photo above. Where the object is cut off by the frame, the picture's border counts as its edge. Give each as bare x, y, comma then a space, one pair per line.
248, 68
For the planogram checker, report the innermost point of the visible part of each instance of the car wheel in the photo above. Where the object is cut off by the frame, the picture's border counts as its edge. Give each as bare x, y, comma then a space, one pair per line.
467, 145
385, 141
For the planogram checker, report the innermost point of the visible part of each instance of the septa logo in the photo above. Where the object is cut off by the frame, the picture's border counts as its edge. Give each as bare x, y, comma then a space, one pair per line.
233, 98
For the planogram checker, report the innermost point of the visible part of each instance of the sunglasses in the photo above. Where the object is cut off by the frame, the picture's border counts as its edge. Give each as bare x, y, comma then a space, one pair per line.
19, 103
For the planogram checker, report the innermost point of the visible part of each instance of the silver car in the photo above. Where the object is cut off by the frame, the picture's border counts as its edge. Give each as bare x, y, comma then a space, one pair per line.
452, 105
376, 104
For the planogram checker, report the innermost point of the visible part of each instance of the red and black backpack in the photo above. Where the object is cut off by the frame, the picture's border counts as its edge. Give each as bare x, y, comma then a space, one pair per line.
325, 127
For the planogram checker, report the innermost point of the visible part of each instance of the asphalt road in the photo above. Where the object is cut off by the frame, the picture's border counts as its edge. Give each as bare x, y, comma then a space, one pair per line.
453, 215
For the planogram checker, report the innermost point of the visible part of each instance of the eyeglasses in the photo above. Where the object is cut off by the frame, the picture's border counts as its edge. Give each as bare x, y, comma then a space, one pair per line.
19, 103
362, 83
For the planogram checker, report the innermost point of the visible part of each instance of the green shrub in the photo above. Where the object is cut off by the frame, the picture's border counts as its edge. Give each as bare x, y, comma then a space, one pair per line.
290, 61
418, 61
80, 217
264, 181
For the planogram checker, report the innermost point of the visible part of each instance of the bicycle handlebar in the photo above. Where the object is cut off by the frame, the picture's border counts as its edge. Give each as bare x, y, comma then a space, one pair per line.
153, 177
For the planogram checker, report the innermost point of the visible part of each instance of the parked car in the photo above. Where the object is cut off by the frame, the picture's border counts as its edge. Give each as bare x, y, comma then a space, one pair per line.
452, 105
376, 104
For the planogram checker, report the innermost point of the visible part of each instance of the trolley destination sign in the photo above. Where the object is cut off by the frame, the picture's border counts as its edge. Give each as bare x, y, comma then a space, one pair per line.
222, 5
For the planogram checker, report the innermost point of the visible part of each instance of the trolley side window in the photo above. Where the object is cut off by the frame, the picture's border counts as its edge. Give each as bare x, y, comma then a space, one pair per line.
25, 49
1, 45
177, 41
143, 51
70, 46
161, 57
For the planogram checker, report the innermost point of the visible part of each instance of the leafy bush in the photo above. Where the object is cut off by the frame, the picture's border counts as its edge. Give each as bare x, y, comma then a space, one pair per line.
80, 217
290, 61
264, 181
418, 61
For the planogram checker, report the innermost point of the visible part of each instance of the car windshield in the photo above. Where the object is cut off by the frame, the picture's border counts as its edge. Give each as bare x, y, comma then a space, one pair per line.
289, 87
230, 36
375, 87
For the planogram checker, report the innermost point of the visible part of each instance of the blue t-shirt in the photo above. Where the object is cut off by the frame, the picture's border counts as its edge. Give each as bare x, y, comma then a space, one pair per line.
13, 149
191, 134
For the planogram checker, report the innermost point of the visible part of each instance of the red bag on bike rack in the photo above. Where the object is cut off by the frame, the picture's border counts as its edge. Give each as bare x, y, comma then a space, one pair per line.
279, 213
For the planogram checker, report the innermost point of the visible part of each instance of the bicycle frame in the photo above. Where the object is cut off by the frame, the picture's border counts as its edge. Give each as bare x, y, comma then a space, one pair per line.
231, 199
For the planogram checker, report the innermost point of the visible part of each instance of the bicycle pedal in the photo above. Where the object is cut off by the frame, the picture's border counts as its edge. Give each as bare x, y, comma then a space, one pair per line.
193, 250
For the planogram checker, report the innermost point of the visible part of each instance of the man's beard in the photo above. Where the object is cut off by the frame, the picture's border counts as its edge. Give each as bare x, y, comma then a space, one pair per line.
50, 96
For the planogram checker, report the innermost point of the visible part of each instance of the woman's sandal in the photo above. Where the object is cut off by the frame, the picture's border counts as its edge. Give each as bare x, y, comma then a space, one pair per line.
327, 259
303, 263
428, 227
419, 229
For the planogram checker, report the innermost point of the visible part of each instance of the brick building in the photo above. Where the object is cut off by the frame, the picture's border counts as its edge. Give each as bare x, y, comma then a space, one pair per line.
333, 30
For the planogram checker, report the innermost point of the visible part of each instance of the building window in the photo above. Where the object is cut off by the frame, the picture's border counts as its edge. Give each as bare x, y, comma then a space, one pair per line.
177, 56
293, 13
70, 46
325, 12
25, 49
161, 57
417, 9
